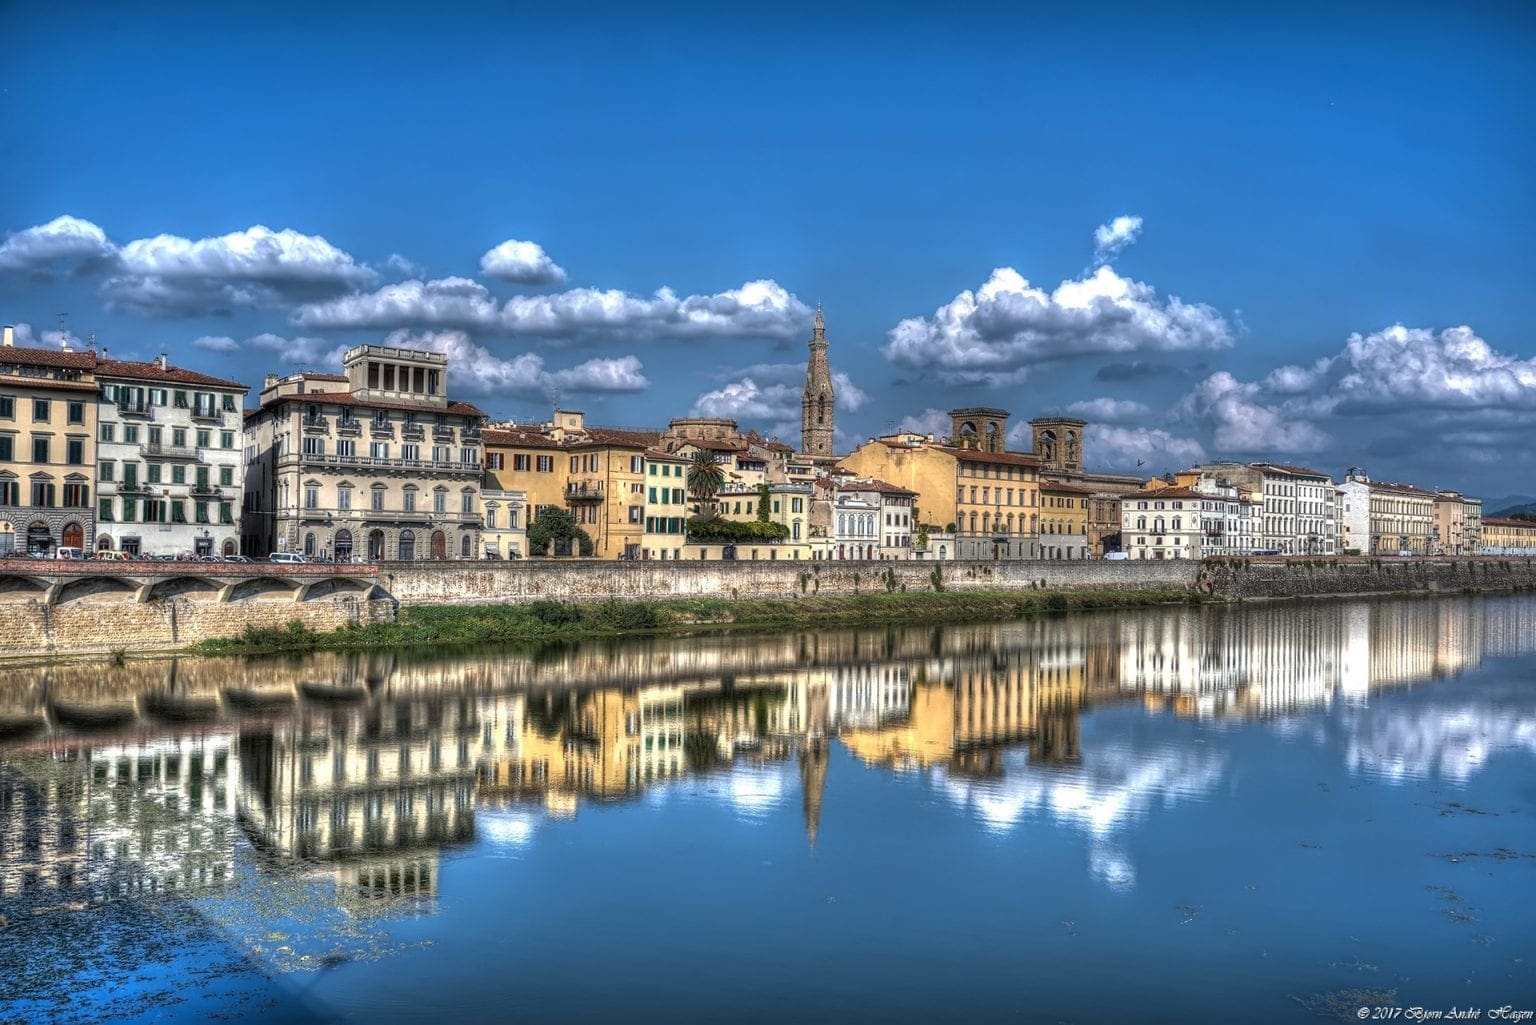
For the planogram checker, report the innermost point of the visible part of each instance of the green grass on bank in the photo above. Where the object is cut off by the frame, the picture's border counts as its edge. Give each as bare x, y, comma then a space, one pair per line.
554, 620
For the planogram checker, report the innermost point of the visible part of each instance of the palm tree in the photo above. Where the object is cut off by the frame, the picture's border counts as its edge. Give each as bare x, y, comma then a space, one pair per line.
705, 478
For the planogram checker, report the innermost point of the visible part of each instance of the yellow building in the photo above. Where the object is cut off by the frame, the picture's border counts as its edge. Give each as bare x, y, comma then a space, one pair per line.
666, 505
1063, 521
1508, 536
789, 504
597, 474
1458, 523
1386, 519
47, 448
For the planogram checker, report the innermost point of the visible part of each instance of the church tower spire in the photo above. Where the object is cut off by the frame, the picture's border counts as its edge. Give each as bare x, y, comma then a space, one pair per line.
817, 400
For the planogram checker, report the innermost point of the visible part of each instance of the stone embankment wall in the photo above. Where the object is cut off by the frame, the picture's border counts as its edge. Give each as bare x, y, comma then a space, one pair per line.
478, 582
1300, 578
33, 628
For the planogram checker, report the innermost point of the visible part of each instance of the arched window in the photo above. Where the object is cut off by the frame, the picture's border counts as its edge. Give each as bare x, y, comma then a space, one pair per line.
74, 535
407, 546
821, 410
343, 545
439, 545
39, 539
309, 544
464, 547
376, 545
229, 547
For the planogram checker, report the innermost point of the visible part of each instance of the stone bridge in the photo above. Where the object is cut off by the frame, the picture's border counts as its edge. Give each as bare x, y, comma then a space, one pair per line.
61, 582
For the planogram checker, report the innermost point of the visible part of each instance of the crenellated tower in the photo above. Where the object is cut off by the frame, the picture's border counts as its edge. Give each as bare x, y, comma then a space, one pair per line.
817, 400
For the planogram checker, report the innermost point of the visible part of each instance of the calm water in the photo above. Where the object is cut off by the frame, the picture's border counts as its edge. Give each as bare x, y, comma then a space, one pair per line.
1232, 814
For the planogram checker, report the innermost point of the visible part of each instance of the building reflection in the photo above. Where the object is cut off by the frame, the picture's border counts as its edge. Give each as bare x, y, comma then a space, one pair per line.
365, 768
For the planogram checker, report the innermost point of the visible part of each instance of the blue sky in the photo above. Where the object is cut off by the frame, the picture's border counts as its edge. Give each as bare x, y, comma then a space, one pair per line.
1323, 248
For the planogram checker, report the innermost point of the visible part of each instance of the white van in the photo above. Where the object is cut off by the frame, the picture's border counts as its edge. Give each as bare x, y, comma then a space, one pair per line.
287, 557
1116, 555
68, 553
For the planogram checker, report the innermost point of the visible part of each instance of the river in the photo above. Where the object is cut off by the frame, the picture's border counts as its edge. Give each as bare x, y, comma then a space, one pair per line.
1227, 813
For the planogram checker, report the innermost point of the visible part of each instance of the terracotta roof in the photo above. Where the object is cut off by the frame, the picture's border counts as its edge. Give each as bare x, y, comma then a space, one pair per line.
1401, 489
341, 398
714, 445
621, 437
516, 439
28, 357
342, 378
659, 456
971, 455
155, 372
778, 446
1073, 489
1508, 521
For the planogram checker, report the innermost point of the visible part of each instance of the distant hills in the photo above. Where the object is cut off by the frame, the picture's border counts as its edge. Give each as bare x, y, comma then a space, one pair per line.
1510, 505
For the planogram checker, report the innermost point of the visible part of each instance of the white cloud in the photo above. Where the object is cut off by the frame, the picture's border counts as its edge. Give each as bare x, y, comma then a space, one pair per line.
1108, 410
402, 266
1242, 422
522, 263
1009, 325
1142, 450
930, 421
475, 370
1293, 380
746, 401
849, 396
757, 309
49, 338
216, 343
171, 275
1109, 239
63, 243
1454, 368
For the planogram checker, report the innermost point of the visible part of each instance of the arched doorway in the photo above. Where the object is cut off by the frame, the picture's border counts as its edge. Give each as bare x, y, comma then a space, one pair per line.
39, 539
464, 547
407, 545
376, 546
343, 546
103, 543
439, 545
74, 535
7, 536
229, 547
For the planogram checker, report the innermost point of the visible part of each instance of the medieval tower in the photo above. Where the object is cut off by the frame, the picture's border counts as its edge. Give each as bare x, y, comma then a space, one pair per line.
817, 401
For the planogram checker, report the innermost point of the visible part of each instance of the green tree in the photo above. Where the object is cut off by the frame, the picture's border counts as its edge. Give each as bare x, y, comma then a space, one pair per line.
704, 478
557, 525
764, 496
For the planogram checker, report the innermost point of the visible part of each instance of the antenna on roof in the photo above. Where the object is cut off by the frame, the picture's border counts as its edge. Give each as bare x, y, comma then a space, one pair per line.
63, 332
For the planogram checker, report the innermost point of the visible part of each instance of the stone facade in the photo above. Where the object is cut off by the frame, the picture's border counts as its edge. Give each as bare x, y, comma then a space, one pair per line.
817, 400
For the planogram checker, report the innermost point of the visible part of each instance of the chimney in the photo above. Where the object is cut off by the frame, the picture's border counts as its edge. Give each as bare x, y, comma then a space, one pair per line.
10, 337
161, 361
270, 381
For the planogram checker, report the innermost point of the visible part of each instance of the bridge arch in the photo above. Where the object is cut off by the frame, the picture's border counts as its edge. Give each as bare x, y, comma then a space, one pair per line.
264, 589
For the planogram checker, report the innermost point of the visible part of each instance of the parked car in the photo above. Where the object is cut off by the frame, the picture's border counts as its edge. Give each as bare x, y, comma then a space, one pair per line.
290, 557
235, 558
1116, 555
113, 557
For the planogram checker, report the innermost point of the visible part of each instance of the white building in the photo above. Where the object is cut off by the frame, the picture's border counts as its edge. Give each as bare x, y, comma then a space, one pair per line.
170, 460
1299, 514
862, 518
1163, 523
505, 522
1229, 519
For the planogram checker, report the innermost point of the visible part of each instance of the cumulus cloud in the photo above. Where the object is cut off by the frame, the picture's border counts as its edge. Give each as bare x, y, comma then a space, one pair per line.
216, 343
64, 243
1242, 421
298, 351
1453, 368
49, 338
171, 275
1139, 449
1109, 239
522, 263
1008, 325
758, 309
849, 396
746, 401
930, 421
1108, 410
474, 370
397, 264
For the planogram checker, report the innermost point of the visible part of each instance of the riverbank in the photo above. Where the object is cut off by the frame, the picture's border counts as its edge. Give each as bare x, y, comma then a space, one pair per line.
440, 625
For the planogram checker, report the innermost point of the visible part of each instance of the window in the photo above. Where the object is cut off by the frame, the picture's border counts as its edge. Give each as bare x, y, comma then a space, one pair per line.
546, 464
410, 500
152, 471
229, 403
512, 519
520, 463
636, 513
575, 464
226, 476
314, 446
154, 435
346, 448
490, 517
178, 511
343, 498
467, 456
40, 410
178, 474
130, 509
439, 501
226, 439
42, 493
76, 413
104, 472
200, 510
203, 439
441, 453
469, 503
181, 400
378, 499
495, 461
107, 431
104, 510
636, 463
410, 453
39, 450
7, 407
76, 452
226, 512
311, 497
77, 496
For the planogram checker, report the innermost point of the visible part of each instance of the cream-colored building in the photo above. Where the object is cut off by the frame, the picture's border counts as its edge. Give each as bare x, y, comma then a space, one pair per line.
504, 519
1163, 523
666, 505
1507, 536
789, 504
858, 518
1298, 507
47, 448
1458, 523
377, 463
1386, 519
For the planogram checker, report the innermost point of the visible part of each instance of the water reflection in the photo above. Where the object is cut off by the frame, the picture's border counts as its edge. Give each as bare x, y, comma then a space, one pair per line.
364, 769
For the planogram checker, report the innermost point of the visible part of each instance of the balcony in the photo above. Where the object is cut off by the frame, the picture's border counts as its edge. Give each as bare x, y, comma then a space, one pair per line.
413, 432
443, 434
584, 491
206, 412
350, 426
377, 429
143, 409
316, 423
207, 491
155, 450
439, 465
133, 487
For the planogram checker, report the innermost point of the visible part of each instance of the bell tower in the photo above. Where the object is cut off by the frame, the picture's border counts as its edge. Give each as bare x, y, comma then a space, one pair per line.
817, 400
1059, 443
979, 427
